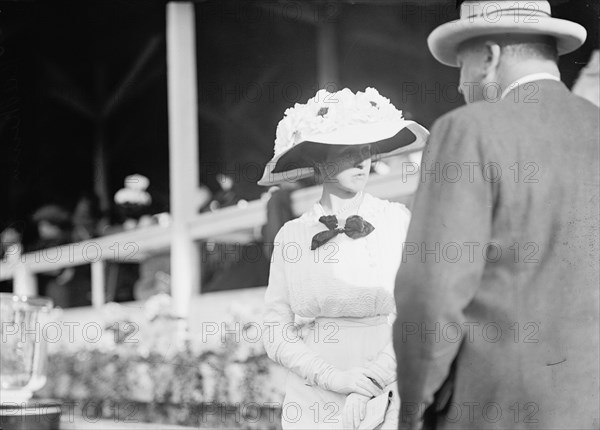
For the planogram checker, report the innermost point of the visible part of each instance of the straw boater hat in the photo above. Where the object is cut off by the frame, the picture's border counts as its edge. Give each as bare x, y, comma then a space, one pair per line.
485, 18
341, 118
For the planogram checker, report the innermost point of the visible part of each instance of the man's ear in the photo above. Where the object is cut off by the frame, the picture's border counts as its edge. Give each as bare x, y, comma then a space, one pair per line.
493, 51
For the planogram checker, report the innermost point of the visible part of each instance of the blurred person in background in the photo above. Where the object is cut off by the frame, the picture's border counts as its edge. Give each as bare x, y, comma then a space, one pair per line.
226, 196
11, 248
87, 219
588, 83
69, 286
54, 227
133, 201
279, 211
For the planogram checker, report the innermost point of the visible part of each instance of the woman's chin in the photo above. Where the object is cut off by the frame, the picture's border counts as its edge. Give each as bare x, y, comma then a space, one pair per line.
351, 184
354, 187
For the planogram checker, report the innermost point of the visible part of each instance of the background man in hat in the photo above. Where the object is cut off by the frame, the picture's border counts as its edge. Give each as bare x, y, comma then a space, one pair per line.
498, 293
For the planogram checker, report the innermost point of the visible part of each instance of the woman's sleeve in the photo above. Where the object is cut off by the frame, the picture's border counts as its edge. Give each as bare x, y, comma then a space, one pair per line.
282, 337
384, 364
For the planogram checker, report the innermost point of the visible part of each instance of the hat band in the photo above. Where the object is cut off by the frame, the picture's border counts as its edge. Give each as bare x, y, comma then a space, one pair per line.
530, 13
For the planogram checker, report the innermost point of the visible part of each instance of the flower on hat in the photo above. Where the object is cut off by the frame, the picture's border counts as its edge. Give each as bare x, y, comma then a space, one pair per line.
327, 112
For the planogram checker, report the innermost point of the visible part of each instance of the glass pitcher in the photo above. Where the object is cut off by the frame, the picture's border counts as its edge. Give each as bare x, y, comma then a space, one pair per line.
23, 355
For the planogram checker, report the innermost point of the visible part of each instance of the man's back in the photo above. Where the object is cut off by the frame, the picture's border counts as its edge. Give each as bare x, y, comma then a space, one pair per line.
542, 291
527, 297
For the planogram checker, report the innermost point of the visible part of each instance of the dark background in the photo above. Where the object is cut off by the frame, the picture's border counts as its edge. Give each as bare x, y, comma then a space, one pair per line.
72, 72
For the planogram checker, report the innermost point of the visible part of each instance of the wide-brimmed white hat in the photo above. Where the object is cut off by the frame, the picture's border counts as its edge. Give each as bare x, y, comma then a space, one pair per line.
486, 17
341, 118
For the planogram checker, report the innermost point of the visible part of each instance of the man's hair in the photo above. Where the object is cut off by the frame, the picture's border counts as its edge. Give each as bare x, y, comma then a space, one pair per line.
544, 49
518, 47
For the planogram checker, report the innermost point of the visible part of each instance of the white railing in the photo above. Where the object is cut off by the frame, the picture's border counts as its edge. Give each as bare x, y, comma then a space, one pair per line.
230, 224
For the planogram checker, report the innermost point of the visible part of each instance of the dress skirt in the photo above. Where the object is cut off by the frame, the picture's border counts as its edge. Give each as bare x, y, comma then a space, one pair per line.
344, 343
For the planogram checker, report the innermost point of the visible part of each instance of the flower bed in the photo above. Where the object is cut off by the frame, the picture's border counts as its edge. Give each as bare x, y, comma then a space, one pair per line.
158, 378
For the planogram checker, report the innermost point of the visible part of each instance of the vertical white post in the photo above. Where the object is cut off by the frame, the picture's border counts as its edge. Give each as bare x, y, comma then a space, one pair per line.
327, 60
24, 282
98, 283
183, 150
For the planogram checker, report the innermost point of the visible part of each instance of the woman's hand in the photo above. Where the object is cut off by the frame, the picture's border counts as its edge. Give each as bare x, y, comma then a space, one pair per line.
356, 380
354, 410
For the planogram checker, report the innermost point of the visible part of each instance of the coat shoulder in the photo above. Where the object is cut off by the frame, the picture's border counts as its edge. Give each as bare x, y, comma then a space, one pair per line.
472, 114
464, 126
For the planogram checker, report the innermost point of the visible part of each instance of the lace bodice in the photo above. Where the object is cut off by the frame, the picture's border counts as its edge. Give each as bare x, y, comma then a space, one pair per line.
345, 277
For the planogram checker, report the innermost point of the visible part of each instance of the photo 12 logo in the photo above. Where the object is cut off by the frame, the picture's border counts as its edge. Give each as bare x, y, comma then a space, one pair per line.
471, 332
492, 12
476, 411
455, 252
254, 332
70, 331
476, 171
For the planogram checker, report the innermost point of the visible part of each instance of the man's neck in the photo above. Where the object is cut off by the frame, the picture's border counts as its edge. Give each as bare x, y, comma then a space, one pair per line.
519, 70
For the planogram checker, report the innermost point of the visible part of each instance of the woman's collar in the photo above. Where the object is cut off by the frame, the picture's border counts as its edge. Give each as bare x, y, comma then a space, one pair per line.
366, 209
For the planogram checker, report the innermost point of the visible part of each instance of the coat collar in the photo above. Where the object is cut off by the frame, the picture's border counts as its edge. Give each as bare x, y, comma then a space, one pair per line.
529, 78
535, 92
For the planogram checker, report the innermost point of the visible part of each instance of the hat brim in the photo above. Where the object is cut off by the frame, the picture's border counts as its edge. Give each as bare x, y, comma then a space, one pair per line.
445, 40
53, 214
385, 139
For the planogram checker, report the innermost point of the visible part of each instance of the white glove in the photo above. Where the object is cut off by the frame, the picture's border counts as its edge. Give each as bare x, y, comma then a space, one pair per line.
354, 411
355, 380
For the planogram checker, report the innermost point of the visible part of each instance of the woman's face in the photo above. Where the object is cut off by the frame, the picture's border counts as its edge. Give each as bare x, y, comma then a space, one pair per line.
347, 167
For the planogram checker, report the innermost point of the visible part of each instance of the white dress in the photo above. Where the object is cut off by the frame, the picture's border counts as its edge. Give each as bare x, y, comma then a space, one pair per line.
332, 307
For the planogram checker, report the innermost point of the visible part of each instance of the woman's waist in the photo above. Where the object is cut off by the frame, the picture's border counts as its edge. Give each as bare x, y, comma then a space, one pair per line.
346, 327
374, 320
343, 304
347, 342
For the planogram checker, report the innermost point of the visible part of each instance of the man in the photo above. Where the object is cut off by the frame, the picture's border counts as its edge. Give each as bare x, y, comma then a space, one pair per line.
498, 291
587, 84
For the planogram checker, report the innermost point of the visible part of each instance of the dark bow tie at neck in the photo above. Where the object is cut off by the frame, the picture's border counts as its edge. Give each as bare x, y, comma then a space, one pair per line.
355, 228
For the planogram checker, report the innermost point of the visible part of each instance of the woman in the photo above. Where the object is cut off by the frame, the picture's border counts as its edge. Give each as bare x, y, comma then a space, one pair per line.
335, 266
